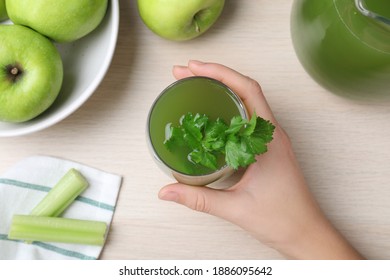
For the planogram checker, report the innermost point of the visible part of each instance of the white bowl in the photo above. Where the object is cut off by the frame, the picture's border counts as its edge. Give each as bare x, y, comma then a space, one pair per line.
86, 62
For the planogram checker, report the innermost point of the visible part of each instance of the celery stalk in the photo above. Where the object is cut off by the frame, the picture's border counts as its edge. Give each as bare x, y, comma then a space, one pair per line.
61, 195
55, 229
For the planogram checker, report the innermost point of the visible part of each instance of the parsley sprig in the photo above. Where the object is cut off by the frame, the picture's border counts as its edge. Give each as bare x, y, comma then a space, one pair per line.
239, 142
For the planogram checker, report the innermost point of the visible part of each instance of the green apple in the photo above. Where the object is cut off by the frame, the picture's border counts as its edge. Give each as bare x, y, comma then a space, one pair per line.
60, 20
3, 11
180, 20
31, 73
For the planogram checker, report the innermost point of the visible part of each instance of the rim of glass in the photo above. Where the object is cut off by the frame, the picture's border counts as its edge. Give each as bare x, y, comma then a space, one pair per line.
237, 100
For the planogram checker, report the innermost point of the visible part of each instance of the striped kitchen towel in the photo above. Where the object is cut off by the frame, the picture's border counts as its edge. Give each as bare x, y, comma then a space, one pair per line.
28, 181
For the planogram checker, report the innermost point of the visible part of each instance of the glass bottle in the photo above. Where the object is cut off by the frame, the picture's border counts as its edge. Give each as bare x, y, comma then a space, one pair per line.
345, 45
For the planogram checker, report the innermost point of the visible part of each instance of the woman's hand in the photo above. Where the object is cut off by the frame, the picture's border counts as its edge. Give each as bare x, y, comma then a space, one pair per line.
272, 200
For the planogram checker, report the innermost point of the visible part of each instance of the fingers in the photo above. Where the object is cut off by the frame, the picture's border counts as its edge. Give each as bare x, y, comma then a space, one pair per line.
180, 72
248, 89
215, 202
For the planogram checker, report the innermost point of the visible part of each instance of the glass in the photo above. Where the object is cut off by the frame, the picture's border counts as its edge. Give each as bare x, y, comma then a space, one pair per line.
201, 95
345, 45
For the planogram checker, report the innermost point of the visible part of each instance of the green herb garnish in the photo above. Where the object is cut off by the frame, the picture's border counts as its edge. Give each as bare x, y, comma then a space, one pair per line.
240, 141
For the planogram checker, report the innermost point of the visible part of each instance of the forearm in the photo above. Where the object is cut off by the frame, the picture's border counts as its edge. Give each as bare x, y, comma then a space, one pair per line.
321, 241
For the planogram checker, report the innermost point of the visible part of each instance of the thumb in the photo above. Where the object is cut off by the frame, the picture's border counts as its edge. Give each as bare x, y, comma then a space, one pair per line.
219, 203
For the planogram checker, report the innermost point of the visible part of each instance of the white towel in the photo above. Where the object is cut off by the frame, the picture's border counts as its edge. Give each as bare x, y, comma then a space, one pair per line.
28, 181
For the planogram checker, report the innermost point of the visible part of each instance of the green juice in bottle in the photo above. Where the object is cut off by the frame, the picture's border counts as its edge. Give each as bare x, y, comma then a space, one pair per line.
343, 49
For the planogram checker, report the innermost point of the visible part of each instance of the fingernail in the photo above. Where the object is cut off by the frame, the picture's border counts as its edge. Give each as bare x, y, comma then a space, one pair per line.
196, 62
179, 67
169, 196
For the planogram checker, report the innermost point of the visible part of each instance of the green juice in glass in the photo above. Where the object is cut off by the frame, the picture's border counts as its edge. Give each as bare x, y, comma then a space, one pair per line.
196, 95
344, 50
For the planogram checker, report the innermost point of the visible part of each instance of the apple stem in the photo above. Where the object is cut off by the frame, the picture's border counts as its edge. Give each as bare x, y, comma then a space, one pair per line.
197, 27
195, 20
14, 71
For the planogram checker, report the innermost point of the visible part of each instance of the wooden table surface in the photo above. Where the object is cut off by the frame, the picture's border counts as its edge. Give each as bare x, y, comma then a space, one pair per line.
342, 145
